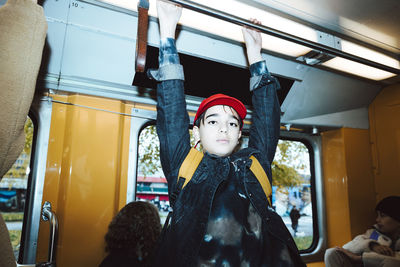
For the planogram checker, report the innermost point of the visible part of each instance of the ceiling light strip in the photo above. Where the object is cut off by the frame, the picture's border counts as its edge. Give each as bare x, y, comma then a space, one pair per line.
282, 35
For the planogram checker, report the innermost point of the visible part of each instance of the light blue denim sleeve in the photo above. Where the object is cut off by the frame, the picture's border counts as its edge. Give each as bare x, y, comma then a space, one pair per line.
168, 54
169, 65
257, 71
258, 68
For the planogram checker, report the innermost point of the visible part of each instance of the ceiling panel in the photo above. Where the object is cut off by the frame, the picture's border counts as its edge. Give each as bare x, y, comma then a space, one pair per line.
371, 21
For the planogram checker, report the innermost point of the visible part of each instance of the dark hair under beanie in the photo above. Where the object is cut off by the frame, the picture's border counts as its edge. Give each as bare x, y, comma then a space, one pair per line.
390, 206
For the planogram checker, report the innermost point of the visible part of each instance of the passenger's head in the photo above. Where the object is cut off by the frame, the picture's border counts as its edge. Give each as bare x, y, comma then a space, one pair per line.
388, 219
134, 230
218, 124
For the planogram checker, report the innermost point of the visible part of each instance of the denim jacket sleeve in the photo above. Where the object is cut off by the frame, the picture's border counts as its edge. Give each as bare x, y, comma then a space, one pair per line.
172, 116
265, 127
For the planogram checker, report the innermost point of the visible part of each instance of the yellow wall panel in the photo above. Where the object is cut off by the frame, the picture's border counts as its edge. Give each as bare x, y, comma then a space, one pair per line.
124, 157
348, 184
335, 186
86, 175
316, 264
384, 115
361, 189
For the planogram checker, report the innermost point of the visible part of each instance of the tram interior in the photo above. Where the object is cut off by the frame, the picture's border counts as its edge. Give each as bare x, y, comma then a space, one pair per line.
70, 65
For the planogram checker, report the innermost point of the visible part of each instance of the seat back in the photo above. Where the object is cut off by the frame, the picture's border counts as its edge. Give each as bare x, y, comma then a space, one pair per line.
22, 34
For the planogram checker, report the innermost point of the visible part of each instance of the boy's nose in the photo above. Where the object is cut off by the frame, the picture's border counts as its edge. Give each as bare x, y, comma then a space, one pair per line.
222, 129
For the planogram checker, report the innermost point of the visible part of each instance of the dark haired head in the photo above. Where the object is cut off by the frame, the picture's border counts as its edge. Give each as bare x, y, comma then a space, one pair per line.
134, 230
390, 206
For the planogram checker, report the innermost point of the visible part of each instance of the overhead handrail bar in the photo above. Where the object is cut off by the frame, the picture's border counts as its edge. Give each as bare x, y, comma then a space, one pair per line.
282, 35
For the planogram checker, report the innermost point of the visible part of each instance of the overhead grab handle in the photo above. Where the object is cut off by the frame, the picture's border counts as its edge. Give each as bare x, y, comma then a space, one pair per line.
141, 40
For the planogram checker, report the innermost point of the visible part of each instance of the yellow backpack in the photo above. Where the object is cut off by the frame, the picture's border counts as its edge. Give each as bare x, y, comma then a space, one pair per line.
193, 159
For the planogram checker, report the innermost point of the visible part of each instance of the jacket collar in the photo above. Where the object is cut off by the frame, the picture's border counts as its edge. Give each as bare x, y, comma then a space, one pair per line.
242, 153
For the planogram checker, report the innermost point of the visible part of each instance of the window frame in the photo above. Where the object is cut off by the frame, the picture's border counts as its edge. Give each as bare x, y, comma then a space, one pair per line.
313, 143
309, 147
40, 114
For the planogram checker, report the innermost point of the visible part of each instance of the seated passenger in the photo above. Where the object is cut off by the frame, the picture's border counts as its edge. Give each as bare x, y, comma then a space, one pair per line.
132, 236
379, 246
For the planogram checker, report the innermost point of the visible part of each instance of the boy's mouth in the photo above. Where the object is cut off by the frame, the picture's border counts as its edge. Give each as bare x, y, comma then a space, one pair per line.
223, 141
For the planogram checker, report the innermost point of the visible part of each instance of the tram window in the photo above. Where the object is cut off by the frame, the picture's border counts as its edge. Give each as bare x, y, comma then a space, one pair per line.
291, 184
13, 188
291, 187
151, 184
291, 190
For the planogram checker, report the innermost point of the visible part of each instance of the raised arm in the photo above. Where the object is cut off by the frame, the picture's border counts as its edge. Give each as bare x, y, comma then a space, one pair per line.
168, 17
172, 117
253, 41
264, 131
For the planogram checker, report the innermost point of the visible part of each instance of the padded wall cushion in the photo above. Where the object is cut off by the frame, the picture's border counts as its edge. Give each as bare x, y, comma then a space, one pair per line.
22, 35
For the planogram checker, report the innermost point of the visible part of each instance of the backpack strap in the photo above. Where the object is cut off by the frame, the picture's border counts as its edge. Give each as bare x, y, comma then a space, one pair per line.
186, 171
262, 177
190, 165
193, 159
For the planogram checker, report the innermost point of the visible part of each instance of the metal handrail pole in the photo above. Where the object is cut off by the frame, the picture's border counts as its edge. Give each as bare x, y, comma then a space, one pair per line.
282, 35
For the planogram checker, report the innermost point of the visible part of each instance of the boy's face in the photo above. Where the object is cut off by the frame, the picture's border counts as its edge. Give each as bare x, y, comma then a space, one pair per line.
220, 132
387, 224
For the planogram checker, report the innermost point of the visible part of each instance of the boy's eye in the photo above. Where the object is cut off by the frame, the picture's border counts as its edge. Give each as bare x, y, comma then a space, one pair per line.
212, 122
233, 124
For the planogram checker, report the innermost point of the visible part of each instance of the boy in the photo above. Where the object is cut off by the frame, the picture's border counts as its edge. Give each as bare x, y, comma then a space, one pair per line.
221, 218
379, 246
